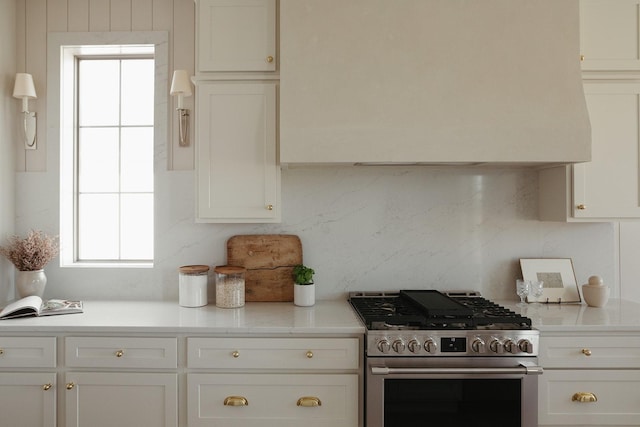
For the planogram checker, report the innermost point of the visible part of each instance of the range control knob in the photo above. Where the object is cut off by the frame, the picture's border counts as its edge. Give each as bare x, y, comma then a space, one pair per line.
430, 345
399, 345
496, 346
478, 346
525, 346
414, 346
510, 346
384, 346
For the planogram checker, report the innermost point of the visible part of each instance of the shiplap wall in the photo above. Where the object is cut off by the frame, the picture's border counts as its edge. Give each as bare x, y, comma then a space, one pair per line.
35, 18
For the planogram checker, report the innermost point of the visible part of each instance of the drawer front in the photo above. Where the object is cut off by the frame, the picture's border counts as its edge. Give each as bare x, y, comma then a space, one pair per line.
27, 352
274, 353
272, 400
590, 352
616, 391
116, 352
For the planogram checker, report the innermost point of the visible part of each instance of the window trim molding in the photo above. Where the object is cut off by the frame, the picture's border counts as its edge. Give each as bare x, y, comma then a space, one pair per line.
58, 131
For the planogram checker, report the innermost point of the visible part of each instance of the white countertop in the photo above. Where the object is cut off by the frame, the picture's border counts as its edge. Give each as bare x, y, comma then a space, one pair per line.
326, 317
617, 315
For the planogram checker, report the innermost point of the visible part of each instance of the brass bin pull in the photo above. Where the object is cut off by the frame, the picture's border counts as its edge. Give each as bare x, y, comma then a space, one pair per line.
309, 354
586, 352
236, 354
235, 401
584, 397
119, 353
47, 387
309, 401
1, 351
70, 386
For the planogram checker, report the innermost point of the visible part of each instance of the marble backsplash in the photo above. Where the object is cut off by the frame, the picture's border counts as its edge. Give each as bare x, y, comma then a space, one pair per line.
362, 228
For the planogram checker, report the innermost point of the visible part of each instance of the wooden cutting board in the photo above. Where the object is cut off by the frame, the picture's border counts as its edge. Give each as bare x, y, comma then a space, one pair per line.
269, 260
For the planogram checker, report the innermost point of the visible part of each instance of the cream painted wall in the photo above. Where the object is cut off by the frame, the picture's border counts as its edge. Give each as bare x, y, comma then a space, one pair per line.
9, 109
362, 228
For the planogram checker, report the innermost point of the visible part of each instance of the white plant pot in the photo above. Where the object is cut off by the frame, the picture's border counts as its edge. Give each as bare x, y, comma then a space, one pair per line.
30, 283
304, 295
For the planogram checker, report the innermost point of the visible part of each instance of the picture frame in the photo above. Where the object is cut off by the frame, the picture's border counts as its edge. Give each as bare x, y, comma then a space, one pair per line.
559, 278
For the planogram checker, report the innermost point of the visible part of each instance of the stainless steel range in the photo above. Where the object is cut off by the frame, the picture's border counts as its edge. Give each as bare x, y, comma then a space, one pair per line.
450, 359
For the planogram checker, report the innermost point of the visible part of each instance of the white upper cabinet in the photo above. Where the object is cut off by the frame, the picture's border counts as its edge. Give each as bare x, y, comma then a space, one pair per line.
236, 35
610, 35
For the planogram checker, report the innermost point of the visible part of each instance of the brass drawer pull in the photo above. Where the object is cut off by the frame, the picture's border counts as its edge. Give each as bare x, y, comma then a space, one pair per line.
236, 401
70, 386
269, 59
47, 387
581, 207
119, 353
309, 354
309, 401
586, 352
584, 397
1, 351
236, 354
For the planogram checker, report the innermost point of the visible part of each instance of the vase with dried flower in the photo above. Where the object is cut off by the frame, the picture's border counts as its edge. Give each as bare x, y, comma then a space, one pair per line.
30, 255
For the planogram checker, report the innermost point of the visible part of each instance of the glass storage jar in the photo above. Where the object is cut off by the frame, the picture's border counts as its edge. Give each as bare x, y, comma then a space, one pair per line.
192, 282
229, 286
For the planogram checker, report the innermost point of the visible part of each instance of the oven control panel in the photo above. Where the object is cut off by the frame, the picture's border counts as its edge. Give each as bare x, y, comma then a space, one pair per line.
443, 343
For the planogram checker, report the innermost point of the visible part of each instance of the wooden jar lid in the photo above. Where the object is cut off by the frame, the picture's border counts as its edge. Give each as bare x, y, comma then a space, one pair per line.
229, 269
194, 269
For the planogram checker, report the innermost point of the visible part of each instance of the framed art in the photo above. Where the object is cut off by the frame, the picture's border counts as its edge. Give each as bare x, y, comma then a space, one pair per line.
558, 277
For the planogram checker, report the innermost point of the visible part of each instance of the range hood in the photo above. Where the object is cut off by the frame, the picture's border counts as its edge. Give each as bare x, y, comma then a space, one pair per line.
431, 82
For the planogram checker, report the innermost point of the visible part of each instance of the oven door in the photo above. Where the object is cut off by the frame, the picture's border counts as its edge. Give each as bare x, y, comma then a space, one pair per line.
448, 391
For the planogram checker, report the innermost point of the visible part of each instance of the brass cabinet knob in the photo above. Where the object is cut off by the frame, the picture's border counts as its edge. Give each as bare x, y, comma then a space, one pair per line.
309, 354
269, 207
581, 207
581, 58
586, 352
309, 401
70, 386
269, 59
584, 397
236, 354
119, 353
46, 387
235, 401
1, 351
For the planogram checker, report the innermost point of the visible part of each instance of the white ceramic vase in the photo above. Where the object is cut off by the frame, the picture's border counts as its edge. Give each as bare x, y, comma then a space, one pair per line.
304, 295
30, 283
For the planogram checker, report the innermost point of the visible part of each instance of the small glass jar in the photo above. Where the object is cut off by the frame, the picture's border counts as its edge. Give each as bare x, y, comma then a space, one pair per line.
229, 286
192, 282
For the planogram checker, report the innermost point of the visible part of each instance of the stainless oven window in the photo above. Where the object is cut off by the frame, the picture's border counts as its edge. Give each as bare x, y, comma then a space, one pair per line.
452, 402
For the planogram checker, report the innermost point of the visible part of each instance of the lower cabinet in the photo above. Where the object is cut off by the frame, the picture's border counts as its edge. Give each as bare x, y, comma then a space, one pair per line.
589, 380
28, 399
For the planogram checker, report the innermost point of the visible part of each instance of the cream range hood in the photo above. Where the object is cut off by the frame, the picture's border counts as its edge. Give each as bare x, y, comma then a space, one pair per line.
431, 82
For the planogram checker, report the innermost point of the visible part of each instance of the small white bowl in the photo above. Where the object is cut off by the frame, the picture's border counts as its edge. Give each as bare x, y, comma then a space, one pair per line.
596, 296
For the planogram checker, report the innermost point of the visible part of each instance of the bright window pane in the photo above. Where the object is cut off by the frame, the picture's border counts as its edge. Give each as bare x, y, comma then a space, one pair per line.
137, 92
98, 160
137, 160
136, 228
98, 225
98, 89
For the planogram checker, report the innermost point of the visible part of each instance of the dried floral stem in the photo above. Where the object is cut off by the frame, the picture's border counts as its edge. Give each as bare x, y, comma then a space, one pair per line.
31, 253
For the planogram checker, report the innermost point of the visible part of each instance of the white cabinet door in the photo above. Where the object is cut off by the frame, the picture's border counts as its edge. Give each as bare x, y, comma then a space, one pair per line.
236, 35
609, 34
608, 186
237, 176
121, 399
28, 399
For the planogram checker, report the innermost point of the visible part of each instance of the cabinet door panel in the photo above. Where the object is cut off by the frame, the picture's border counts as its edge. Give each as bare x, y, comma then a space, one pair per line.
121, 399
608, 186
609, 34
28, 399
237, 176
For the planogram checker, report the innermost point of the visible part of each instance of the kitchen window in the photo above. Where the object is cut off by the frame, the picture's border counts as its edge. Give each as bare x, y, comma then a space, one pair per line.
109, 124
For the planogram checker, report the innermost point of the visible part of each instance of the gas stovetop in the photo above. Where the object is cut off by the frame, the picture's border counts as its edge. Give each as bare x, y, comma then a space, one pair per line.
431, 323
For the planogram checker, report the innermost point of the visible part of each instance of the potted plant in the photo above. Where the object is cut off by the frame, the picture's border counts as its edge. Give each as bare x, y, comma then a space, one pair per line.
304, 290
30, 255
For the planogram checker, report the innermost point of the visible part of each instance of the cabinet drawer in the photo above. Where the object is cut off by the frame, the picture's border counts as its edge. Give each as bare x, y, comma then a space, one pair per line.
23, 352
273, 353
115, 352
618, 400
590, 352
272, 400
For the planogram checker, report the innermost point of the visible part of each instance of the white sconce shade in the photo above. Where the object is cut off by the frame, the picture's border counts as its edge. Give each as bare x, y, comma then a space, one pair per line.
181, 86
25, 89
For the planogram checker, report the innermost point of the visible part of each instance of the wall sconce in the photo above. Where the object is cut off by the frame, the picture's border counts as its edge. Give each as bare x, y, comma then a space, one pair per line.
181, 86
25, 89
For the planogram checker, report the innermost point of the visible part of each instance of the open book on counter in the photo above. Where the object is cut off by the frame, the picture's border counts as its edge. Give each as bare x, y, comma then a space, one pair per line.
34, 306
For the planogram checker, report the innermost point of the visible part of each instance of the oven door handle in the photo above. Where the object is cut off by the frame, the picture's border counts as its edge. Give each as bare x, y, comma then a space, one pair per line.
523, 368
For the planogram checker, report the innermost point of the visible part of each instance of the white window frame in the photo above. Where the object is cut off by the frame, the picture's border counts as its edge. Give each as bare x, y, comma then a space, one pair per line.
62, 49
